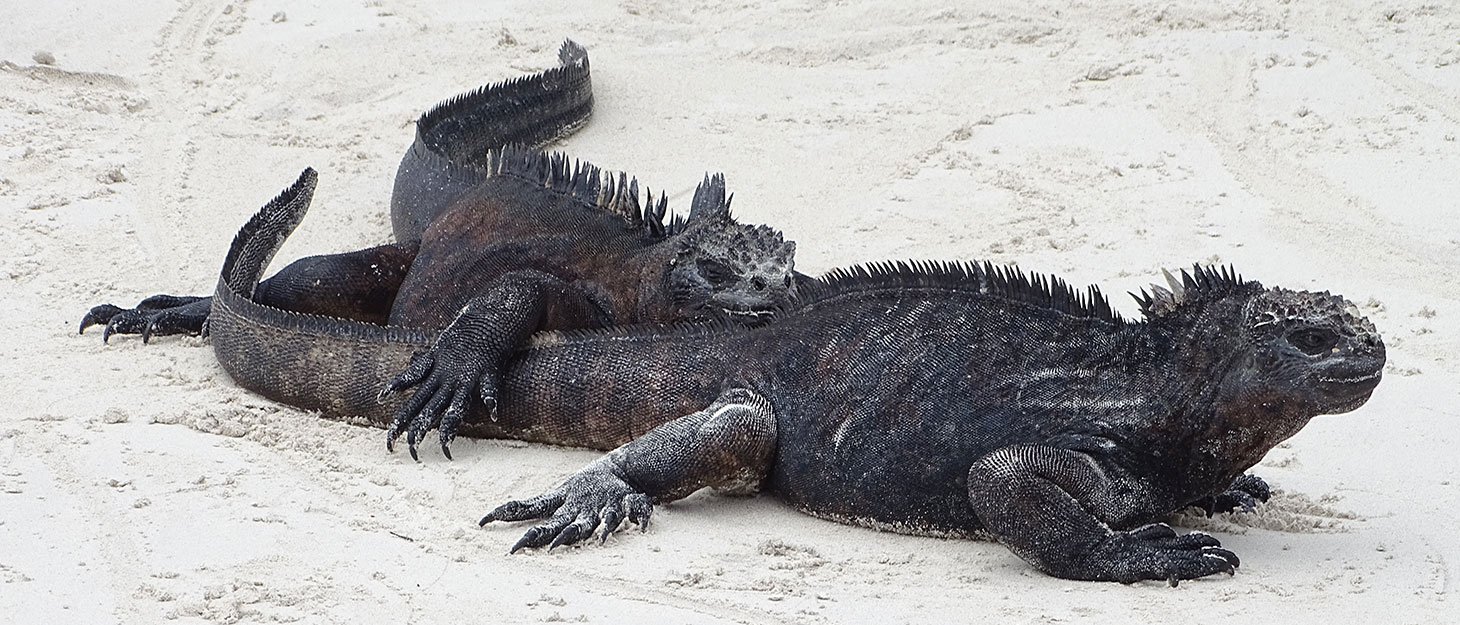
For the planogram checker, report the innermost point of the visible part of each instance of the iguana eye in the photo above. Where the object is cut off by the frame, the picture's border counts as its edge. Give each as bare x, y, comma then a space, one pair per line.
1313, 341
715, 271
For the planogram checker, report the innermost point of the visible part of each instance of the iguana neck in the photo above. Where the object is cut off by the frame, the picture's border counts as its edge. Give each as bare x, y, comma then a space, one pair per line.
656, 299
1223, 423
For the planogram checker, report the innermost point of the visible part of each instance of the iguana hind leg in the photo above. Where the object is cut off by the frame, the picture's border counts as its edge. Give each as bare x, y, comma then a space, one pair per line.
466, 362
359, 285
730, 445
1052, 507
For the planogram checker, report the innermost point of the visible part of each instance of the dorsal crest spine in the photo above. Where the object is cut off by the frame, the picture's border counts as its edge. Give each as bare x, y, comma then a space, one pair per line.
1000, 281
1201, 284
587, 185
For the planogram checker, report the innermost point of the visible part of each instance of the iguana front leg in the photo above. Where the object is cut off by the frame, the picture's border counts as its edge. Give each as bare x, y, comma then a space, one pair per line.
359, 285
729, 445
1051, 506
468, 357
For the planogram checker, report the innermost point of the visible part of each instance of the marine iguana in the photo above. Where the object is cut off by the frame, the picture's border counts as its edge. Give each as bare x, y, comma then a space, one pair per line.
924, 397
498, 241
448, 156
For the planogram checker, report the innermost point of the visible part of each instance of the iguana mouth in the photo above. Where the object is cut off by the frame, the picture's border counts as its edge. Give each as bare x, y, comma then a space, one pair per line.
1375, 376
751, 317
1348, 392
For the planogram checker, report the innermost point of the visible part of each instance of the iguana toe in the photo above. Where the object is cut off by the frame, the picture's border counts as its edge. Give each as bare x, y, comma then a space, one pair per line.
1244, 494
640, 508
159, 315
581, 528
535, 537
523, 510
416, 417
612, 515
1254, 486
595, 497
451, 422
1155, 552
420, 366
489, 402
99, 315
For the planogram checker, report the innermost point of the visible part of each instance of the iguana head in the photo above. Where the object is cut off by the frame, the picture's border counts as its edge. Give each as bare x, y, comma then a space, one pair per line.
1293, 354
725, 268
1319, 344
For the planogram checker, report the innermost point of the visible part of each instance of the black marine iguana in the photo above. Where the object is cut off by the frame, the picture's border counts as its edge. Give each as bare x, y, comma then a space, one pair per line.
448, 156
500, 241
952, 398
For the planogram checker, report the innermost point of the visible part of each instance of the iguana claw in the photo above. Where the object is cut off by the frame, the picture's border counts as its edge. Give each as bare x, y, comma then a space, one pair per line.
445, 378
159, 315
1156, 552
99, 315
1244, 494
596, 497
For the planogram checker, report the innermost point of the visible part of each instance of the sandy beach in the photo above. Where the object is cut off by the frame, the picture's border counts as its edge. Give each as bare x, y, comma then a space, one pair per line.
1309, 145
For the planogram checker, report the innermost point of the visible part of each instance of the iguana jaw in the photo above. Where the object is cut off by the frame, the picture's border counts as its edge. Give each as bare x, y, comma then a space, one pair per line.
1345, 393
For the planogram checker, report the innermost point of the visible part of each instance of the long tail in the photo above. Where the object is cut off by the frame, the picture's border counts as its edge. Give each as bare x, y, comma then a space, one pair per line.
454, 139
256, 243
332, 365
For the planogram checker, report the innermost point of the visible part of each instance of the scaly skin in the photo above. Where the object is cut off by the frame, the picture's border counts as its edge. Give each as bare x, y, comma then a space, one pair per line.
925, 398
496, 241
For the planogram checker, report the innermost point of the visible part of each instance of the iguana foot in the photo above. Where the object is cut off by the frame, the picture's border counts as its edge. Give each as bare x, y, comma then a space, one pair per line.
445, 378
595, 497
1244, 494
1156, 552
159, 315
464, 362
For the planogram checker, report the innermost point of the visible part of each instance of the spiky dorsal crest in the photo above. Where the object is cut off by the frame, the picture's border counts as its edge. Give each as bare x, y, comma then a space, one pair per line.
1010, 283
586, 185
1193, 288
710, 202
709, 208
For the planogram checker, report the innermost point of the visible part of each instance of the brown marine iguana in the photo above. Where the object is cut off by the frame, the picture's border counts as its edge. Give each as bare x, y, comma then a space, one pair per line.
949, 398
498, 241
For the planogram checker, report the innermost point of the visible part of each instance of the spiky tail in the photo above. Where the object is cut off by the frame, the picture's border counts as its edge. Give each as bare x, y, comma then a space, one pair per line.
332, 365
453, 139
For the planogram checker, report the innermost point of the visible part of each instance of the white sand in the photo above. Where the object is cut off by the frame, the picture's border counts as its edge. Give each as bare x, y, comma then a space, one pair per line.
1311, 147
